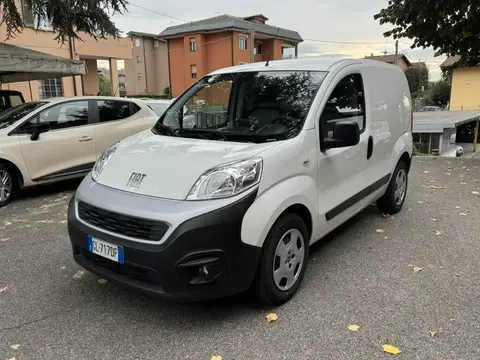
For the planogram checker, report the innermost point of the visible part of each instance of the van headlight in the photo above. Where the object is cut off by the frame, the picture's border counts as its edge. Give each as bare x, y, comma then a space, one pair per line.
102, 161
227, 180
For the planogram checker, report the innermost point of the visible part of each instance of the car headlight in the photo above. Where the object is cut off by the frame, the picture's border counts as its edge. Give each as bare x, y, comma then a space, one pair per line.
102, 161
227, 180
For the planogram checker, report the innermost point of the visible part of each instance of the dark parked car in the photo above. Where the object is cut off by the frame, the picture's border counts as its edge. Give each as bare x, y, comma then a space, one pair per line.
10, 98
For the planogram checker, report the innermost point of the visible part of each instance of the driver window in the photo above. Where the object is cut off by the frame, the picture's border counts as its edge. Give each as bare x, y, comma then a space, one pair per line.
208, 108
346, 102
66, 115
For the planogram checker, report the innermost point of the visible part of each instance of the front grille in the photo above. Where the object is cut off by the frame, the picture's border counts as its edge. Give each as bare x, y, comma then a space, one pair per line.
126, 225
145, 275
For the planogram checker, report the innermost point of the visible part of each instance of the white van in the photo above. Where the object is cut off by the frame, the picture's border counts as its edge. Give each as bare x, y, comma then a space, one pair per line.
245, 170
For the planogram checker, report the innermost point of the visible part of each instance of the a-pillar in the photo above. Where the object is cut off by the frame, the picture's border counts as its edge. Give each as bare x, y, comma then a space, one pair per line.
114, 77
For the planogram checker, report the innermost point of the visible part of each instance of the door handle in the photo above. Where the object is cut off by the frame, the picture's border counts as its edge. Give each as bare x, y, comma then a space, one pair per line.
85, 139
370, 147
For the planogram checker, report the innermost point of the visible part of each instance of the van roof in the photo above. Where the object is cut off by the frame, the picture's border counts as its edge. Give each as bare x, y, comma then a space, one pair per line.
312, 64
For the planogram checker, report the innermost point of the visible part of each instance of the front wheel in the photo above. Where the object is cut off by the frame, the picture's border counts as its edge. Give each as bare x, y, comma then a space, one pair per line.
7, 185
284, 260
392, 201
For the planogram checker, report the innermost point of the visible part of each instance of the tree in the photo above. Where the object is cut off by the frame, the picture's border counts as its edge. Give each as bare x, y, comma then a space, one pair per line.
105, 86
67, 17
417, 77
449, 26
439, 94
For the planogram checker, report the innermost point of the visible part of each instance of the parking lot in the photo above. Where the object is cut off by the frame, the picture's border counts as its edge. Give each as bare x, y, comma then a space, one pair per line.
401, 279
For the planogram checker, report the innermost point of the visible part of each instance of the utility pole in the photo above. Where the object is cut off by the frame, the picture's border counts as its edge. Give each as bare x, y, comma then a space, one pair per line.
475, 137
252, 46
396, 52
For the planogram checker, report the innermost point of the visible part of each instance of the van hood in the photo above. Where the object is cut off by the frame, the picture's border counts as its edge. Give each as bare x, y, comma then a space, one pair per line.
171, 165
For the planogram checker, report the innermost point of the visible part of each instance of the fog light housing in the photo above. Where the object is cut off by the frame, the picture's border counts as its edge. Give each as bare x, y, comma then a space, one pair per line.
202, 269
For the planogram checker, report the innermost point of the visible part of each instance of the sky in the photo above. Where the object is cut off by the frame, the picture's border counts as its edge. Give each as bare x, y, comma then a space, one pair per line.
326, 21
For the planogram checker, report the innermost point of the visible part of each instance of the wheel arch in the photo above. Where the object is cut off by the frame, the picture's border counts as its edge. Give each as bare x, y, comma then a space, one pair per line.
14, 168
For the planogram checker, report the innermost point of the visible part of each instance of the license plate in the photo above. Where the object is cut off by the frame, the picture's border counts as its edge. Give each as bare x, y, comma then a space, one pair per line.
106, 249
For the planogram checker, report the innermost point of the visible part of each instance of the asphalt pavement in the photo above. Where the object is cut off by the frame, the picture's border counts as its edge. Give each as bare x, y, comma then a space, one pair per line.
400, 279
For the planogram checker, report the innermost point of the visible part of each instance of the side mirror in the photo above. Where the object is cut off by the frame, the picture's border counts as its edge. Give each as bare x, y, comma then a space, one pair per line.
345, 133
35, 129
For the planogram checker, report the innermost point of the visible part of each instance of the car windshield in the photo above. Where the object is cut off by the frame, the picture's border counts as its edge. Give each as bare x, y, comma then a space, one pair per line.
12, 115
159, 108
255, 107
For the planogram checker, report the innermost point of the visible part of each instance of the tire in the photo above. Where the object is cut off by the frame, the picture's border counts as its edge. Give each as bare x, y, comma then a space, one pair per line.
8, 185
391, 202
265, 285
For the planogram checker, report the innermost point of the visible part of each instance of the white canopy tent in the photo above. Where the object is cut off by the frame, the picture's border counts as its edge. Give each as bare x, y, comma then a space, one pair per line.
21, 64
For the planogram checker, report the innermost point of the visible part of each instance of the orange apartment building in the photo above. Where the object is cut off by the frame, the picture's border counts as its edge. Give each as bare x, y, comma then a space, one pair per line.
199, 47
41, 38
147, 71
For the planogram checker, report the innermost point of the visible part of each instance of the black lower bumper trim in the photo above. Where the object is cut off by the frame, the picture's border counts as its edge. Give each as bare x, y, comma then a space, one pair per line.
204, 258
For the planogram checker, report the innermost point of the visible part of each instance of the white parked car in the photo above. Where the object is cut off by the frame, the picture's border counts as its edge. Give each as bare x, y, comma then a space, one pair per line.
275, 158
159, 106
55, 139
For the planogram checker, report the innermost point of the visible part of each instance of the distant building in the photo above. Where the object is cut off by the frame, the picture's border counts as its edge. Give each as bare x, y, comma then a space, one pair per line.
147, 71
200, 47
402, 60
465, 84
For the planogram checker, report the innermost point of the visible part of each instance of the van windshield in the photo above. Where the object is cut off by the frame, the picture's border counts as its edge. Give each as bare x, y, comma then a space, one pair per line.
255, 107
12, 115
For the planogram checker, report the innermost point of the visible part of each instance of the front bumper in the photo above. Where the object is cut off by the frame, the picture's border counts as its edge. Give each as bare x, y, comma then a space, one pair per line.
175, 268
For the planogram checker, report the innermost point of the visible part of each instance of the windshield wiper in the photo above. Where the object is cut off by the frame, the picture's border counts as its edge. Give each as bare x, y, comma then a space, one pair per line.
165, 130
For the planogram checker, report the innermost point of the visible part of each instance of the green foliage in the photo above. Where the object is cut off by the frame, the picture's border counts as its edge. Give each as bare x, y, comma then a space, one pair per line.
166, 91
417, 77
68, 17
105, 86
449, 26
439, 94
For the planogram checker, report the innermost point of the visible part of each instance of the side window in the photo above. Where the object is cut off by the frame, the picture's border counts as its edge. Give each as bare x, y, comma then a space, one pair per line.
66, 115
3, 103
111, 110
347, 102
15, 100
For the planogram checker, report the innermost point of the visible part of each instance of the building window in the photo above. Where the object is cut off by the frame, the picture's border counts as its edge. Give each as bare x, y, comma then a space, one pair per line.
243, 42
139, 77
193, 71
259, 49
50, 88
28, 18
156, 43
193, 45
139, 59
138, 43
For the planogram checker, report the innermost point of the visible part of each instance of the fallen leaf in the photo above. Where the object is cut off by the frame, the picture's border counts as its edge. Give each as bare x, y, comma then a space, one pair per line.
380, 231
386, 237
272, 317
353, 327
457, 207
417, 269
433, 333
13, 358
463, 214
15, 347
463, 183
438, 233
102, 281
410, 209
475, 192
386, 216
390, 349
426, 171
2, 290
4, 239
63, 268
434, 219
448, 174
216, 357
435, 187
79, 274
420, 202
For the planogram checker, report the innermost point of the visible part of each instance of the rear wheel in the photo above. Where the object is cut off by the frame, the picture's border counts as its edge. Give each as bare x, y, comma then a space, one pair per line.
392, 201
7, 185
284, 260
